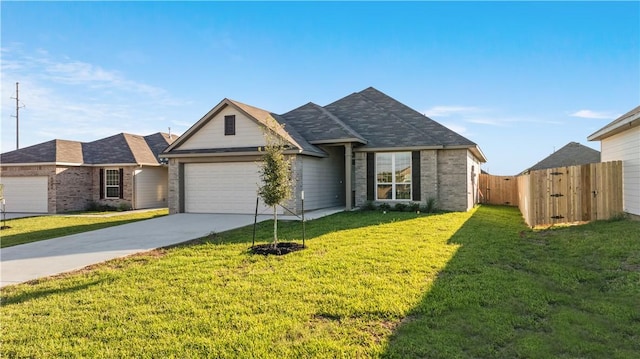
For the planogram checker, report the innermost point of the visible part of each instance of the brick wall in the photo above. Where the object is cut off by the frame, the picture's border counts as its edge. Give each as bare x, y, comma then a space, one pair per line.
443, 177
452, 180
126, 186
173, 193
73, 188
360, 178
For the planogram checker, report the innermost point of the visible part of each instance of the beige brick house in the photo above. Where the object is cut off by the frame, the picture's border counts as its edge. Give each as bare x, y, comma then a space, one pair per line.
60, 176
364, 147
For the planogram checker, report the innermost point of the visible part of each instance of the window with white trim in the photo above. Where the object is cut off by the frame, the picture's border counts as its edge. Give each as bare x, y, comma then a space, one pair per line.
112, 183
393, 176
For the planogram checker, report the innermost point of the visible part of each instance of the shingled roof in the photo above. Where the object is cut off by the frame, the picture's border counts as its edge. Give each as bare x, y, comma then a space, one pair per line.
369, 119
318, 125
572, 154
122, 148
386, 123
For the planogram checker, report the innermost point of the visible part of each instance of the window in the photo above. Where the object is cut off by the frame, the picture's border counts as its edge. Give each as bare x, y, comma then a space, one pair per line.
393, 176
112, 183
230, 125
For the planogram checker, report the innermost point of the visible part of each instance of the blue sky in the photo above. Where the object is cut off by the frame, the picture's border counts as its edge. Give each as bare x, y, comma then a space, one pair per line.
519, 79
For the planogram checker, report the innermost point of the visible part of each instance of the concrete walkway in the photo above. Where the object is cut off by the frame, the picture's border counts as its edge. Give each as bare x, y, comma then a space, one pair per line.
35, 260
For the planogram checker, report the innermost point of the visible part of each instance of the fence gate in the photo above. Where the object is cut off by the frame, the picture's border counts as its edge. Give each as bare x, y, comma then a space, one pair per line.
501, 190
571, 194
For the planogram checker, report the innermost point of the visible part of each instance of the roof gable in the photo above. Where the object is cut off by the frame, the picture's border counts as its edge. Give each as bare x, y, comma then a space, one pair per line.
207, 134
571, 154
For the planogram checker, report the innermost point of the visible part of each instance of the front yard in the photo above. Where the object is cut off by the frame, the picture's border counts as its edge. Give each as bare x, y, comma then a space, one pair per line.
396, 285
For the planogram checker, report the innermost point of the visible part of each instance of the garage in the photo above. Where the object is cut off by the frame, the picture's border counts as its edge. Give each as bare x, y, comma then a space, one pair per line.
26, 194
228, 187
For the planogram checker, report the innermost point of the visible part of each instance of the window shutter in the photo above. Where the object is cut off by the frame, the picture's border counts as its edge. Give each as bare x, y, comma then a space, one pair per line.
371, 180
120, 188
415, 175
102, 183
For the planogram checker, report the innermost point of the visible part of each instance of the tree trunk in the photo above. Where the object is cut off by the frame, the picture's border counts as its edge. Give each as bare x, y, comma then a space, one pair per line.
275, 226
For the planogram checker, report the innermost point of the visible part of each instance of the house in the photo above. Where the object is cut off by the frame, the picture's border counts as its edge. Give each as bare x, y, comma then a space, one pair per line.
572, 154
60, 176
364, 147
620, 140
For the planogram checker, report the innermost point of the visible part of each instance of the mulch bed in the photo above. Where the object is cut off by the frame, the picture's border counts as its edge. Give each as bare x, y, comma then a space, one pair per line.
281, 249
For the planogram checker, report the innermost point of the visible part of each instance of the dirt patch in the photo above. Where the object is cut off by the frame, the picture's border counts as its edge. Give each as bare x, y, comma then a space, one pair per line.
279, 250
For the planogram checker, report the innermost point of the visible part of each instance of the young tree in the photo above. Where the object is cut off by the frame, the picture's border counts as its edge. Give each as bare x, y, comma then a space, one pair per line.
275, 173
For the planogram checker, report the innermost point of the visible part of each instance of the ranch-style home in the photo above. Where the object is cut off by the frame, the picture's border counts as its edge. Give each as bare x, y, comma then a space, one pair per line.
364, 147
620, 141
58, 176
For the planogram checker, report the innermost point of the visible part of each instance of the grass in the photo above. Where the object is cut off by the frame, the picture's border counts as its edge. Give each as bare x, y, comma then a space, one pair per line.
369, 285
32, 229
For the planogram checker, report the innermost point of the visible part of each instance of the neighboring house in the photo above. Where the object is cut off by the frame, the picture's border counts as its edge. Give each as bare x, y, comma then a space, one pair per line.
60, 176
620, 141
572, 154
364, 147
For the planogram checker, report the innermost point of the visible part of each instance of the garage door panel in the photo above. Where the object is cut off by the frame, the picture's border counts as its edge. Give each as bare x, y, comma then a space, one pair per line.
26, 194
230, 187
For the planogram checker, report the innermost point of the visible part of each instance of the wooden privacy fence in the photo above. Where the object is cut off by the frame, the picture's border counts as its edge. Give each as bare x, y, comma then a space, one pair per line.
498, 189
571, 194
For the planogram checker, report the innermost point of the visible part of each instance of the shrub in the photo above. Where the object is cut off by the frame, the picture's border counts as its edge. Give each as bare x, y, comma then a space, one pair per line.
400, 207
431, 206
99, 207
413, 207
368, 206
124, 206
384, 207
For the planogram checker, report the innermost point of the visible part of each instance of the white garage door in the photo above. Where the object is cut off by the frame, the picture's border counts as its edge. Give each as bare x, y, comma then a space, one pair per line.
229, 187
25, 194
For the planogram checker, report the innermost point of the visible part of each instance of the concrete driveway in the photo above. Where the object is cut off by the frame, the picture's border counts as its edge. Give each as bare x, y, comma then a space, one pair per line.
30, 261
35, 260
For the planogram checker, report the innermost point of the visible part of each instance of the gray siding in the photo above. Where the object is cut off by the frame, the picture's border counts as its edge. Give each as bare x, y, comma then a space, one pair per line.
323, 179
151, 187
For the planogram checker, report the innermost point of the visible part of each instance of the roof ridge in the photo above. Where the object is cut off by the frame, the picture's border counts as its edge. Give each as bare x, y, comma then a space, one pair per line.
141, 146
339, 121
375, 104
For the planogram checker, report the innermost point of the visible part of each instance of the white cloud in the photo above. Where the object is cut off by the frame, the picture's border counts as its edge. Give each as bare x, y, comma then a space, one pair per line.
70, 99
487, 121
594, 115
456, 128
446, 111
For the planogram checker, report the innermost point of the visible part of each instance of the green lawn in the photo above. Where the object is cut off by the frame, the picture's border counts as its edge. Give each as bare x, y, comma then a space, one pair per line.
32, 229
399, 285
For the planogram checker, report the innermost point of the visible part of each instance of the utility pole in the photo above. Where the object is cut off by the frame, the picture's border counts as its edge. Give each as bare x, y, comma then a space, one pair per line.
17, 116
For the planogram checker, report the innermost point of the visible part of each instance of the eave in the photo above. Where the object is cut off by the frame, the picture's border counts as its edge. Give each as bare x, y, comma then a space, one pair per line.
615, 128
